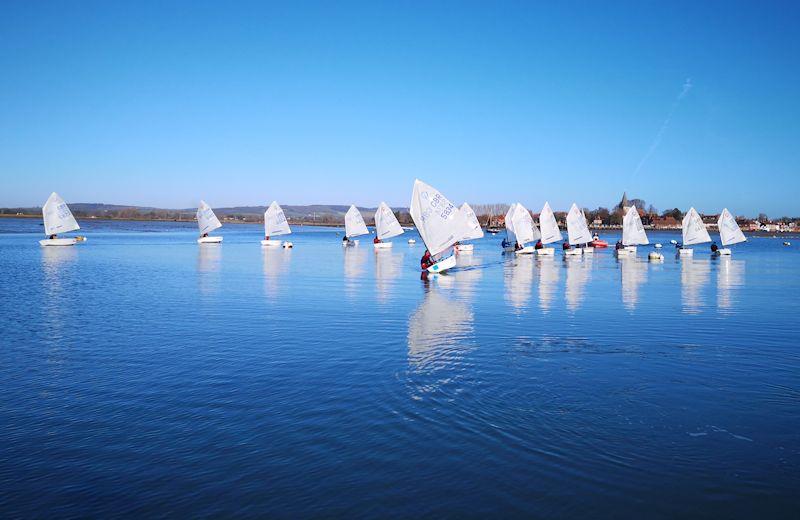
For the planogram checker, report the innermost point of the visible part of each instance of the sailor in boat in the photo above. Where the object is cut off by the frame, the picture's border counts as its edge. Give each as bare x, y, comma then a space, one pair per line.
204, 235
344, 239
619, 245
539, 244
426, 261
266, 237
565, 246
506, 243
376, 240
714, 247
53, 236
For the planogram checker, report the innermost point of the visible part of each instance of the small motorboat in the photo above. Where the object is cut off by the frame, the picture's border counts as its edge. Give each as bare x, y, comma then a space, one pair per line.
596, 242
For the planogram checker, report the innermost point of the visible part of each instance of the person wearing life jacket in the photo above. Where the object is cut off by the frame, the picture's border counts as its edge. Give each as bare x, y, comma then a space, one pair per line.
53, 236
344, 239
565, 246
506, 243
426, 261
517, 247
376, 240
714, 247
266, 237
205, 235
539, 244
619, 245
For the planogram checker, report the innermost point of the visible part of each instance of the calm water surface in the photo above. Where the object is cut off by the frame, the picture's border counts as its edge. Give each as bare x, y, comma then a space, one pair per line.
142, 374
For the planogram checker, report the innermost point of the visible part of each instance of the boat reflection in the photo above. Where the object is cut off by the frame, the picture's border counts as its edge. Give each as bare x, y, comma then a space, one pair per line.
355, 260
209, 260
276, 265
518, 277
467, 275
58, 268
694, 276
634, 273
577, 277
388, 267
548, 280
730, 277
437, 330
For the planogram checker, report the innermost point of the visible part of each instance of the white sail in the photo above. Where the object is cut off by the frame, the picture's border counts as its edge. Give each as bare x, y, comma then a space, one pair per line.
549, 226
354, 223
439, 221
510, 223
577, 229
694, 231
473, 226
275, 223
386, 224
524, 227
206, 220
632, 229
57, 216
729, 231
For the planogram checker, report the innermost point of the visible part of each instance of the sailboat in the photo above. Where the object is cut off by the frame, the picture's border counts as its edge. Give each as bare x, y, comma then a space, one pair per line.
694, 232
510, 242
439, 223
578, 232
353, 226
473, 231
207, 221
549, 230
633, 233
525, 230
275, 224
386, 226
58, 219
729, 232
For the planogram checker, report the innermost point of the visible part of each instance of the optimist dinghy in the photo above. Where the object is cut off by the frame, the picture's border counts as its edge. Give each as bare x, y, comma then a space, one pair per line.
525, 230
439, 222
386, 226
58, 219
549, 230
729, 232
633, 233
354, 226
207, 222
578, 232
473, 231
275, 224
509, 244
694, 232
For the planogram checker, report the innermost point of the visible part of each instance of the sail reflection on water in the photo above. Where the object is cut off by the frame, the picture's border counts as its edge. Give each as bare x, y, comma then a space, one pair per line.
437, 331
276, 265
577, 277
388, 267
59, 266
355, 259
209, 260
548, 281
634, 273
467, 276
730, 277
518, 276
695, 274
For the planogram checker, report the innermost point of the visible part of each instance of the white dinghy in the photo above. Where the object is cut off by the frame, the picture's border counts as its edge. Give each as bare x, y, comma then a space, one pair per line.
275, 224
386, 226
578, 232
439, 223
354, 226
549, 230
729, 232
207, 221
694, 232
509, 243
633, 233
526, 231
58, 219
473, 231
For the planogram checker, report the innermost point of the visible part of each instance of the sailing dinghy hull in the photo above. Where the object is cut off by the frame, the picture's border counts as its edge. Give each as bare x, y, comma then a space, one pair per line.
572, 252
464, 248
209, 240
724, 252
527, 250
684, 253
382, 245
58, 242
546, 251
272, 243
443, 265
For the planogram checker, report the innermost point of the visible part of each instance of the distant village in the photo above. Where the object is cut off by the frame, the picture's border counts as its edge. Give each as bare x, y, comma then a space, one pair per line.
490, 215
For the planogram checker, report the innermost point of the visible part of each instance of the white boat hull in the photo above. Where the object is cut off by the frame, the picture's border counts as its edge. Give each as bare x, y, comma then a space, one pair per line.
546, 251
383, 245
655, 256
272, 243
572, 252
685, 253
632, 249
527, 250
587, 250
625, 252
412, 241
209, 240
443, 265
58, 242
464, 248
350, 243
724, 252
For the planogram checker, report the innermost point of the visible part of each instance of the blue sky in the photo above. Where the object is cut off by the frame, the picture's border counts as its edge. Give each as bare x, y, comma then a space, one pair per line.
163, 103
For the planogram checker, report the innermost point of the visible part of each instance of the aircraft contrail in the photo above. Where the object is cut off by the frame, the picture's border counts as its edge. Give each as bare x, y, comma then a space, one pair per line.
687, 86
